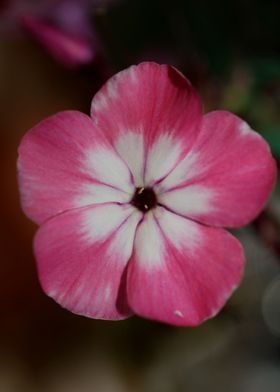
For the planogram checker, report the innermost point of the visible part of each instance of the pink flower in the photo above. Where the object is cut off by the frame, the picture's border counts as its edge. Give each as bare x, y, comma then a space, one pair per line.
70, 50
132, 201
63, 27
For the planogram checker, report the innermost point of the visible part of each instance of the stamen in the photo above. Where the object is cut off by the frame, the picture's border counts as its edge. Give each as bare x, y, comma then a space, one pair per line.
144, 199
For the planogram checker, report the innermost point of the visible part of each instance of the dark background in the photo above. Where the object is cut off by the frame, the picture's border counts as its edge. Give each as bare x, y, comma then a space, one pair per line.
230, 52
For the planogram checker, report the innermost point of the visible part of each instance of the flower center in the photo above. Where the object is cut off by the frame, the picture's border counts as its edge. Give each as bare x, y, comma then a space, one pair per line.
144, 199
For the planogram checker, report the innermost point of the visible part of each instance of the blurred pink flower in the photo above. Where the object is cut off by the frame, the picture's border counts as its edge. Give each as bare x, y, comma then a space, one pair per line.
132, 200
63, 27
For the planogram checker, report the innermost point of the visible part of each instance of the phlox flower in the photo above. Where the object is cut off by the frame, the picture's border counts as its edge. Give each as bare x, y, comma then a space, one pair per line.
63, 27
132, 201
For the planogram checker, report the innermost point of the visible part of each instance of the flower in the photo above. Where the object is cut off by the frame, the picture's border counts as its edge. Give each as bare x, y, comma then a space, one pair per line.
132, 201
63, 27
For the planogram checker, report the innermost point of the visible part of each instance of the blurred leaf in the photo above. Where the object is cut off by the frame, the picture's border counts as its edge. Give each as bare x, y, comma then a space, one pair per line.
272, 135
266, 70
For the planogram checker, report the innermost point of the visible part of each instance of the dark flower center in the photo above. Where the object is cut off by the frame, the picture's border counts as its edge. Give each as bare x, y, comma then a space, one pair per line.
144, 199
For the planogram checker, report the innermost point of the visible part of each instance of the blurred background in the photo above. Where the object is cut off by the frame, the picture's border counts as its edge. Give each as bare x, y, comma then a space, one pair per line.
54, 55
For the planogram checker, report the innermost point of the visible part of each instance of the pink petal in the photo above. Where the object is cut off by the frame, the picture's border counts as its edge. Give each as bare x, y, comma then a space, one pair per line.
65, 163
150, 113
82, 255
68, 49
226, 178
181, 272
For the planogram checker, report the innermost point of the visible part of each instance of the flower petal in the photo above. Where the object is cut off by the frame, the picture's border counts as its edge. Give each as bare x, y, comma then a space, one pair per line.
150, 113
82, 255
68, 49
181, 272
65, 163
227, 176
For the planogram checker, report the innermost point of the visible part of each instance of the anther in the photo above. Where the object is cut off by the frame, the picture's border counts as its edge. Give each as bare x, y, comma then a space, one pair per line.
144, 199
